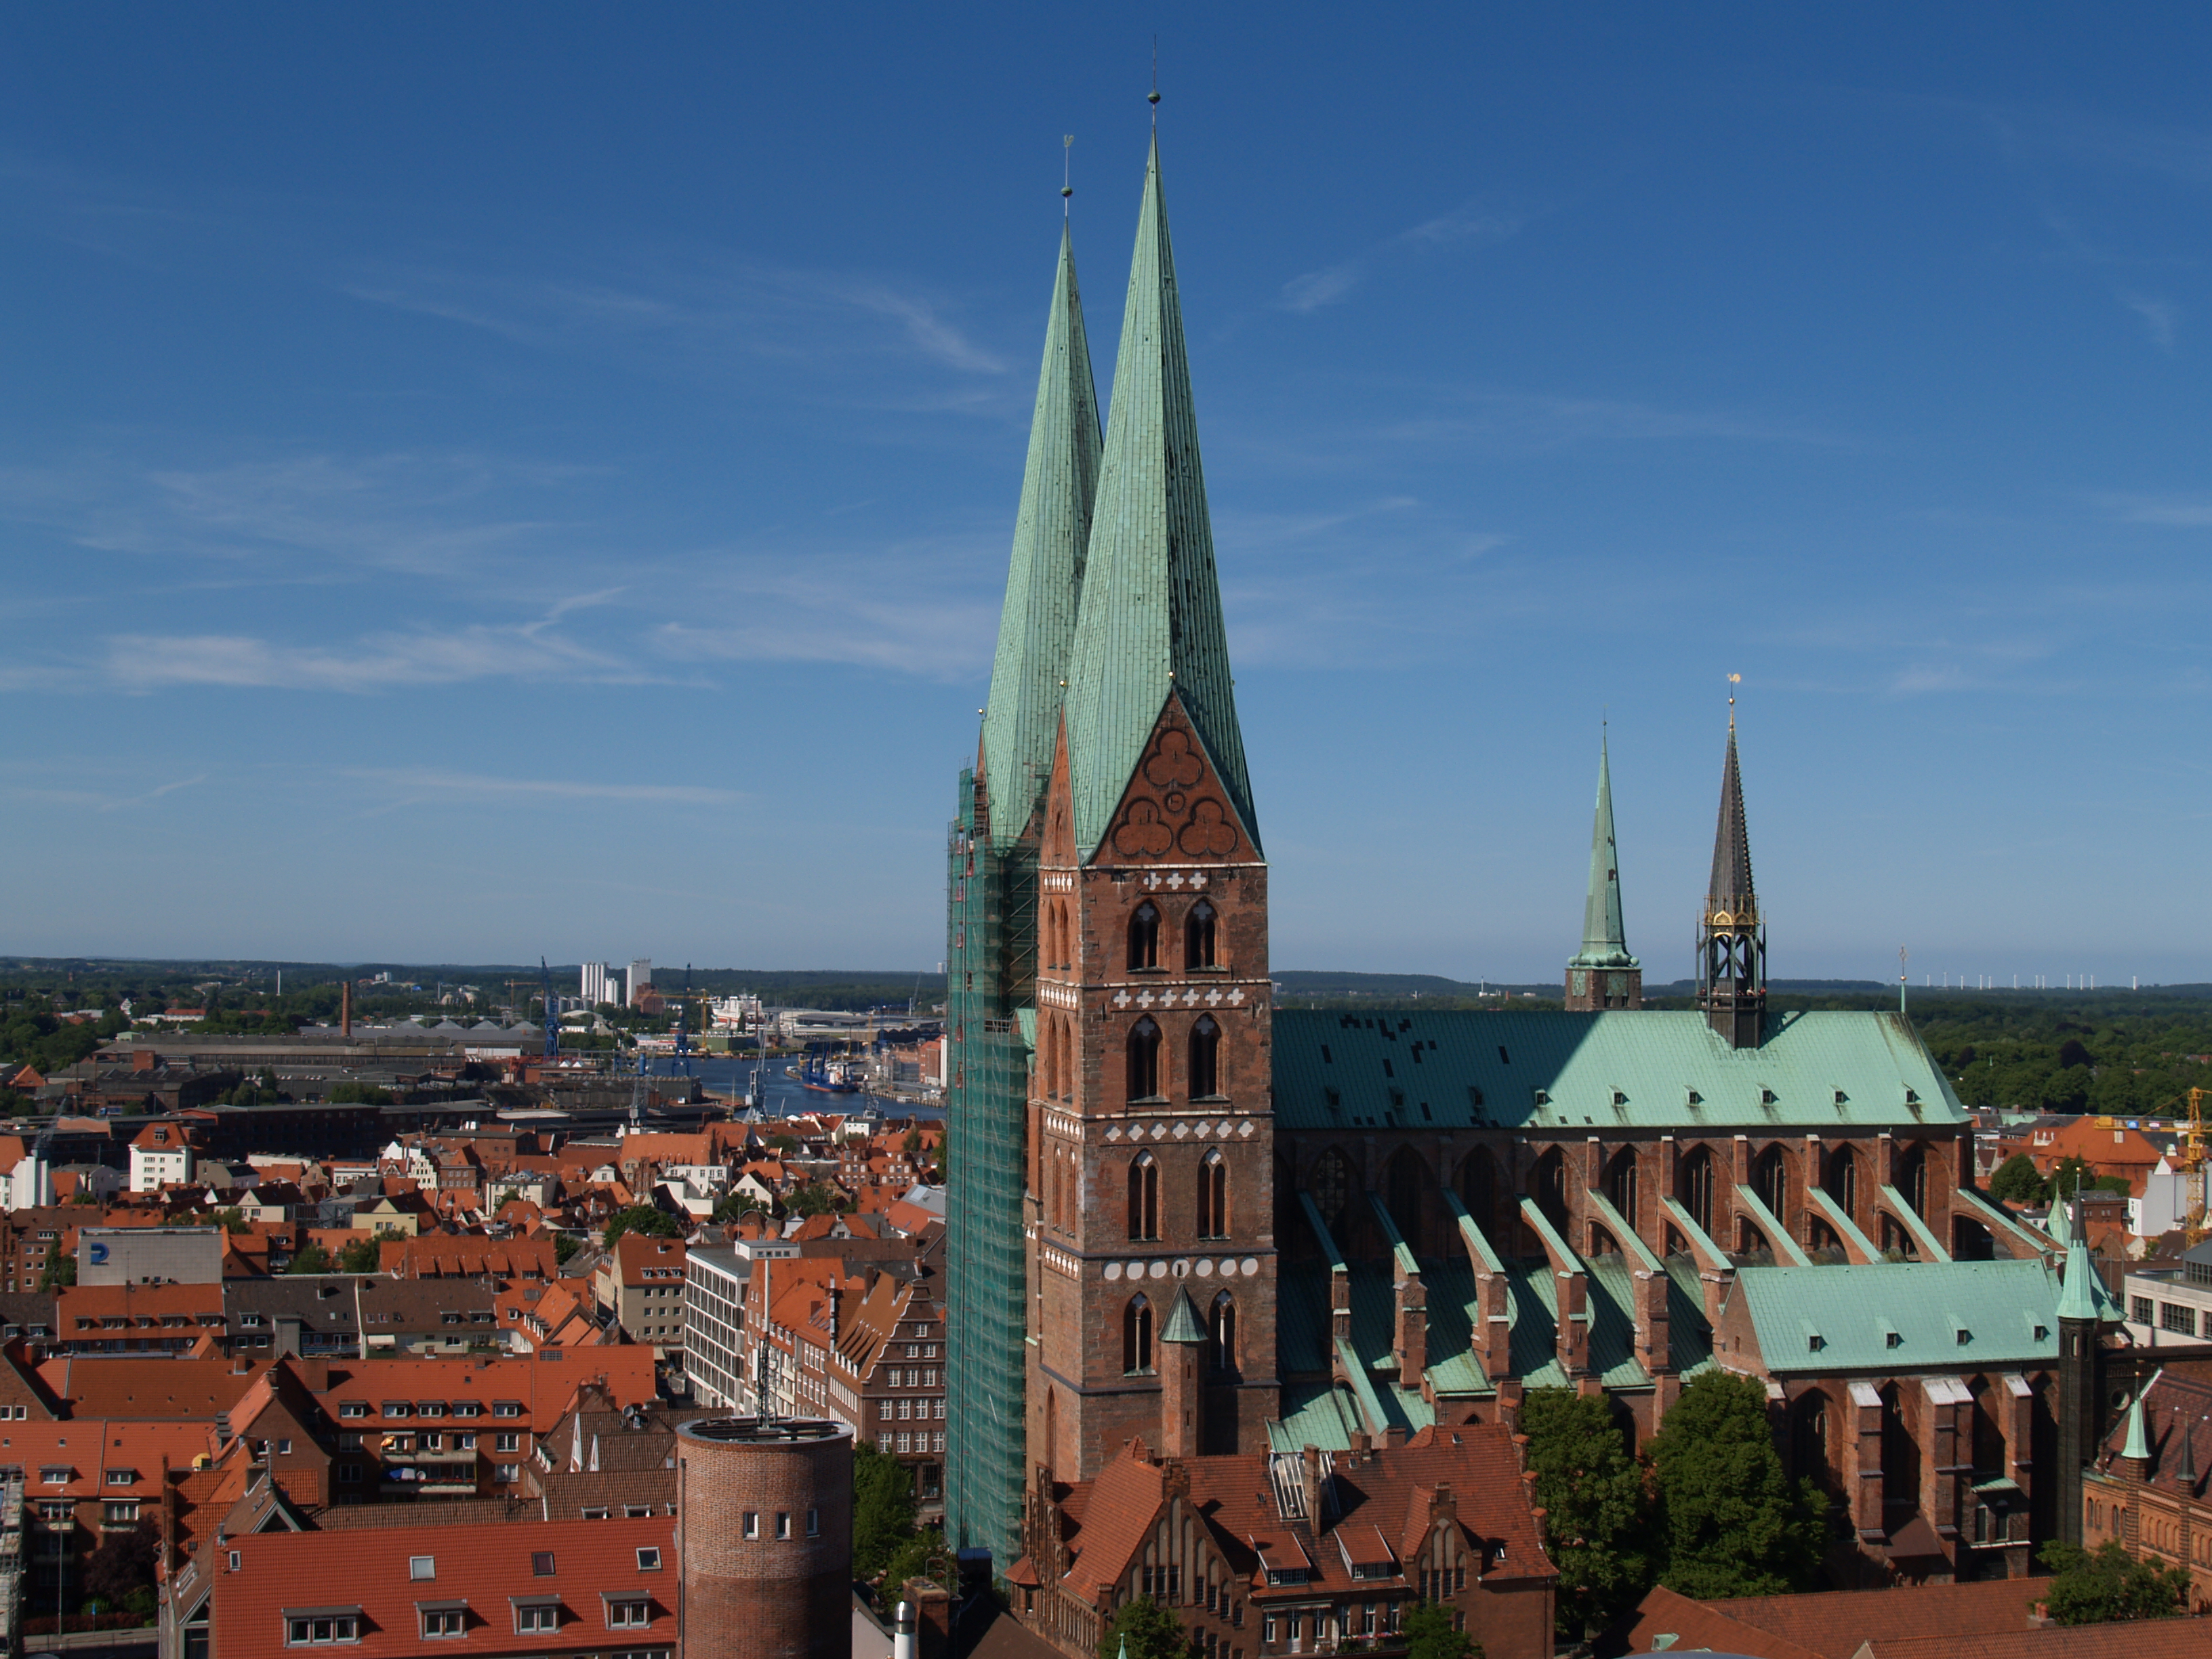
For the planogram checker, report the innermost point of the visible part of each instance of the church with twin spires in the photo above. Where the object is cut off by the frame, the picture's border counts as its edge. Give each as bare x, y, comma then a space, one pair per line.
1190, 1233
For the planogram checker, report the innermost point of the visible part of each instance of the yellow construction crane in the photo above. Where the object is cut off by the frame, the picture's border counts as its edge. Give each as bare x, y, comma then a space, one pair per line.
2193, 1229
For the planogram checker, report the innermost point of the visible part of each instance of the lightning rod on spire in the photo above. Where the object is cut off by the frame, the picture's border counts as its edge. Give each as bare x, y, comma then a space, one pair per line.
1154, 99
1066, 171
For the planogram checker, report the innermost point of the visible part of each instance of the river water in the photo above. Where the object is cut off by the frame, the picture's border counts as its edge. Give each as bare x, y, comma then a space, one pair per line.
722, 1075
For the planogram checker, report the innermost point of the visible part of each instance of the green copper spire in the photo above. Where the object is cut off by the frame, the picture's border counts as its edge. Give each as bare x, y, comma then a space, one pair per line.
1182, 1324
1151, 621
2080, 1294
2138, 1441
1044, 581
1604, 943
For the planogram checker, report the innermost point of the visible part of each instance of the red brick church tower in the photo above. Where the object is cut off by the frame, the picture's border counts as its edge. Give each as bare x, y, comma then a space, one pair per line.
1150, 1257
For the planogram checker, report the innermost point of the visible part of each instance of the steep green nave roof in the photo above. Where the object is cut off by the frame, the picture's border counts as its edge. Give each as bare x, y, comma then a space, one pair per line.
1643, 1069
1151, 619
1044, 579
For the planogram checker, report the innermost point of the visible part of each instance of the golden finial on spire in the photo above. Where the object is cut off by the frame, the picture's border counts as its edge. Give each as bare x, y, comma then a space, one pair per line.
1735, 680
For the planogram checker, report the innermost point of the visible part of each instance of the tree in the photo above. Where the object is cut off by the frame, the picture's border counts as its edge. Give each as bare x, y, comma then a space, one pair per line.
564, 1246
230, 1218
883, 1510
123, 1563
361, 1256
2017, 1182
922, 1556
642, 1218
2093, 1587
311, 1259
1430, 1635
1151, 1632
1731, 1521
60, 1270
1596, 1512
817, 1199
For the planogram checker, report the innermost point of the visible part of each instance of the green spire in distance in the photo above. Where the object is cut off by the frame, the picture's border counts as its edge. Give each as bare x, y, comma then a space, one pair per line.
1044, 579
1605, 944
1151, 622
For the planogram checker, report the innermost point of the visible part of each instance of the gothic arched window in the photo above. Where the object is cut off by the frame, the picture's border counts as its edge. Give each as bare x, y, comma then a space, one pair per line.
1843, 1181
1221, 1333
1205, 1054
1144, 1197
1145, 936
1198, 936
1770, 1179
1330, 1183
1137, 1335
1213, 1196
1696, 1188
1620, 1184
1144, 1060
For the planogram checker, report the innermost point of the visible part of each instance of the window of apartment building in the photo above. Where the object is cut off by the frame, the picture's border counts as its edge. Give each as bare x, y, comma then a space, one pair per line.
783, 1523
751, 1523
348, 1473
55, 1475
422, 1568
443, 1622
129, 1477
119, 1515
814, 1523
506, 1471
2176, 1316
505, 1408
316, 1630
2139, 1309
649, 1560
467, 1408
464, 1443
629, 1614
353, 1408
506, 1440
531, 1617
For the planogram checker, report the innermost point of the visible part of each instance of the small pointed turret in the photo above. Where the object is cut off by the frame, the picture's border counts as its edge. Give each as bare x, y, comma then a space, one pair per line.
1732, 943
1044, 579
1150, 623
2137, 1446
1602, 974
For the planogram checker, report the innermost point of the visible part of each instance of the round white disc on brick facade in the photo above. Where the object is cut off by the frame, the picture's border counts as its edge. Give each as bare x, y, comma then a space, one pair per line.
1113, 1270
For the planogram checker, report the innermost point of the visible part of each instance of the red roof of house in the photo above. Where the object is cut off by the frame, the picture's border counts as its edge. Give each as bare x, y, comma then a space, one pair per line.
83, 1449
1833, 1625
385, 1577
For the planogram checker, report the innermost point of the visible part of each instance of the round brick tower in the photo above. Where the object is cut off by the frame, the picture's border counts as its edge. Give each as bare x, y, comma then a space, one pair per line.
764, 1524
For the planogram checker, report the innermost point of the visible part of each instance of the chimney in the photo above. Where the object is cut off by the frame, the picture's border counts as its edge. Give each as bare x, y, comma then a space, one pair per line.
1309, 1477
345, 1009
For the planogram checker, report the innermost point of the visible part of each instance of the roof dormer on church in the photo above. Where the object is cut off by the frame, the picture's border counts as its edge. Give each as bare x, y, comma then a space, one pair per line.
1044, 578
1151, 624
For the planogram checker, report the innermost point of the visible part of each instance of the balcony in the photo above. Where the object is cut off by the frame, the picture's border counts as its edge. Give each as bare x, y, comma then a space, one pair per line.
424, 1473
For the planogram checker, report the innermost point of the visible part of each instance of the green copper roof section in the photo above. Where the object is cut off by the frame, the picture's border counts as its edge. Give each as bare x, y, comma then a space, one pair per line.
1894, 1317
1044, 579
1150, 618
1662, 1069
1605, 944
1182, 1324
1731, 889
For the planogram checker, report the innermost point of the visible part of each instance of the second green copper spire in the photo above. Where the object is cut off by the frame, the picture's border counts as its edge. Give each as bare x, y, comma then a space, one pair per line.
1605, 944
1044, 579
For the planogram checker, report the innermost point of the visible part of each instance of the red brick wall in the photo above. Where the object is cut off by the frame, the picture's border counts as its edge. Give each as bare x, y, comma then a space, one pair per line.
765, 1597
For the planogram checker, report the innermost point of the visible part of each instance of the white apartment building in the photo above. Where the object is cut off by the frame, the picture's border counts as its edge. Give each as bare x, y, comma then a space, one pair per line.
160, 1157
595, 985
640, 976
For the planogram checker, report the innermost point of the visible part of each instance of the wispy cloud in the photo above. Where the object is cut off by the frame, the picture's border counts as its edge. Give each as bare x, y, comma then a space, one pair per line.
1332, 284
151, 662
691, 316
1549, 420
100, 802
423, 784
2182, 512
2160, 317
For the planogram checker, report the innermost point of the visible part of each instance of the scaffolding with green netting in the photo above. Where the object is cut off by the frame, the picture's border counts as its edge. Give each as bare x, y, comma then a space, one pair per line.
991, 938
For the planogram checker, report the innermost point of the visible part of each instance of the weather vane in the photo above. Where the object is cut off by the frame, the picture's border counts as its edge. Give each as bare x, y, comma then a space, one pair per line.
1066, 171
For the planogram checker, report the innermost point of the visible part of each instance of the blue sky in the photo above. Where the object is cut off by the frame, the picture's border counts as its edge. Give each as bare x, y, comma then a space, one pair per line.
510, 479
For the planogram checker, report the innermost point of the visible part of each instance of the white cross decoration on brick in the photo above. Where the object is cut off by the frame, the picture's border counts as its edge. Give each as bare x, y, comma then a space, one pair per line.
1237, 995
1198, 878
1213, 998
1121, 999
1152, 878
1175, 880
1143, 1000
1190, 999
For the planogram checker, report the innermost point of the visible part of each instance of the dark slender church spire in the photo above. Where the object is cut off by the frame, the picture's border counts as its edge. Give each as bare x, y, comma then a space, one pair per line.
1151, 621
1044, 579
1732, 943
1602, 974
